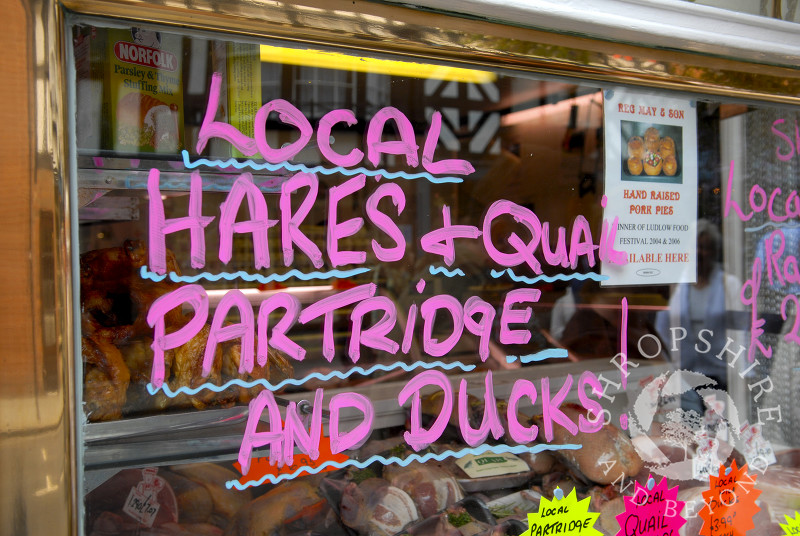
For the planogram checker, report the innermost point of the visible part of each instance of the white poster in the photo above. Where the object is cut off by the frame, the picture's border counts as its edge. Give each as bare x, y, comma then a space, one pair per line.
651, 186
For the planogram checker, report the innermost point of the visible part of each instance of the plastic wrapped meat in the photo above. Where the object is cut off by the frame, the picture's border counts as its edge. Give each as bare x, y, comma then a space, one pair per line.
780, 488
601, 495
226, 502
111, 508
288, 508
434, 526
468, 518
441, 526
540, 463
376, 508
518, 504
195, 504
607, 522
430, 487
607, 454
110, 524
466, 523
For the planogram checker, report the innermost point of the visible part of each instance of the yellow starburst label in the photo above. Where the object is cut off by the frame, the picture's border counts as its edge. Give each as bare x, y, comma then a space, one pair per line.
792, 526
562, 515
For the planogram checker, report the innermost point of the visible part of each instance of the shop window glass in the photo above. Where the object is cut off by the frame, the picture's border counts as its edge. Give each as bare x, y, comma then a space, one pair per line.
373, 226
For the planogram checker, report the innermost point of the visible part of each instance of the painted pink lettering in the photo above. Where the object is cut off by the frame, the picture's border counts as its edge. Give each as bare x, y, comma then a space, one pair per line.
581, 242
595, 421
376, 336
429, 309
295, 433
730, 203
758, 190
441, 241
338, 230
785, 157
408, 334
774, 217
482, 328
278, 338
385, 223
452, 166
490, 422
290, 223
289, 115
772, 257
193, 295
756, 324
215, 129
550, 408
791, 271
254, 439
244, 329
608, 235
418, 437
517, 316
406, 145
524, 252
793, 205
324, 138
559, 256
788, 272
358, 435
759, 200
258, 226
326, 307
160, 227
519, 433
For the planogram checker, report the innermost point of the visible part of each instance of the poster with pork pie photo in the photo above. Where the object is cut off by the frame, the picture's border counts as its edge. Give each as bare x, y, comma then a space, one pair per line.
650, 186
651, 152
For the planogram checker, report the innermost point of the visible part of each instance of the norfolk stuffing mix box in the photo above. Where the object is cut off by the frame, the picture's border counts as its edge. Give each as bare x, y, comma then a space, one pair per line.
144, 91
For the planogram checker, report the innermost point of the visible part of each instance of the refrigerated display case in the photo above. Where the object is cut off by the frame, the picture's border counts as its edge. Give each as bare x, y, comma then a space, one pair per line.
370, 269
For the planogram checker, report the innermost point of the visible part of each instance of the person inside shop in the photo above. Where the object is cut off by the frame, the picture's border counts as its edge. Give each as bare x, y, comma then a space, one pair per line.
704, 305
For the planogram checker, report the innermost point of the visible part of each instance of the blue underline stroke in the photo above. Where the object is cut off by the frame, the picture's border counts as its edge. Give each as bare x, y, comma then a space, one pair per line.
550, 353
558, 277
314, 375
496, 449
244, 276
444, 271
249, 164
771, 224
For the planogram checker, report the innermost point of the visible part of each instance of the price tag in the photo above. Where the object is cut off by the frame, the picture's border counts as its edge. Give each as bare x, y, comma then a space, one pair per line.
653, 510
562, 515
142, 502
730, 503
705, 459
712, 418
757, 451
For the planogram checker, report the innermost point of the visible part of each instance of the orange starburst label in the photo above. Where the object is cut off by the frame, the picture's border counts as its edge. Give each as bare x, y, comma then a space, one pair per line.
730, 502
